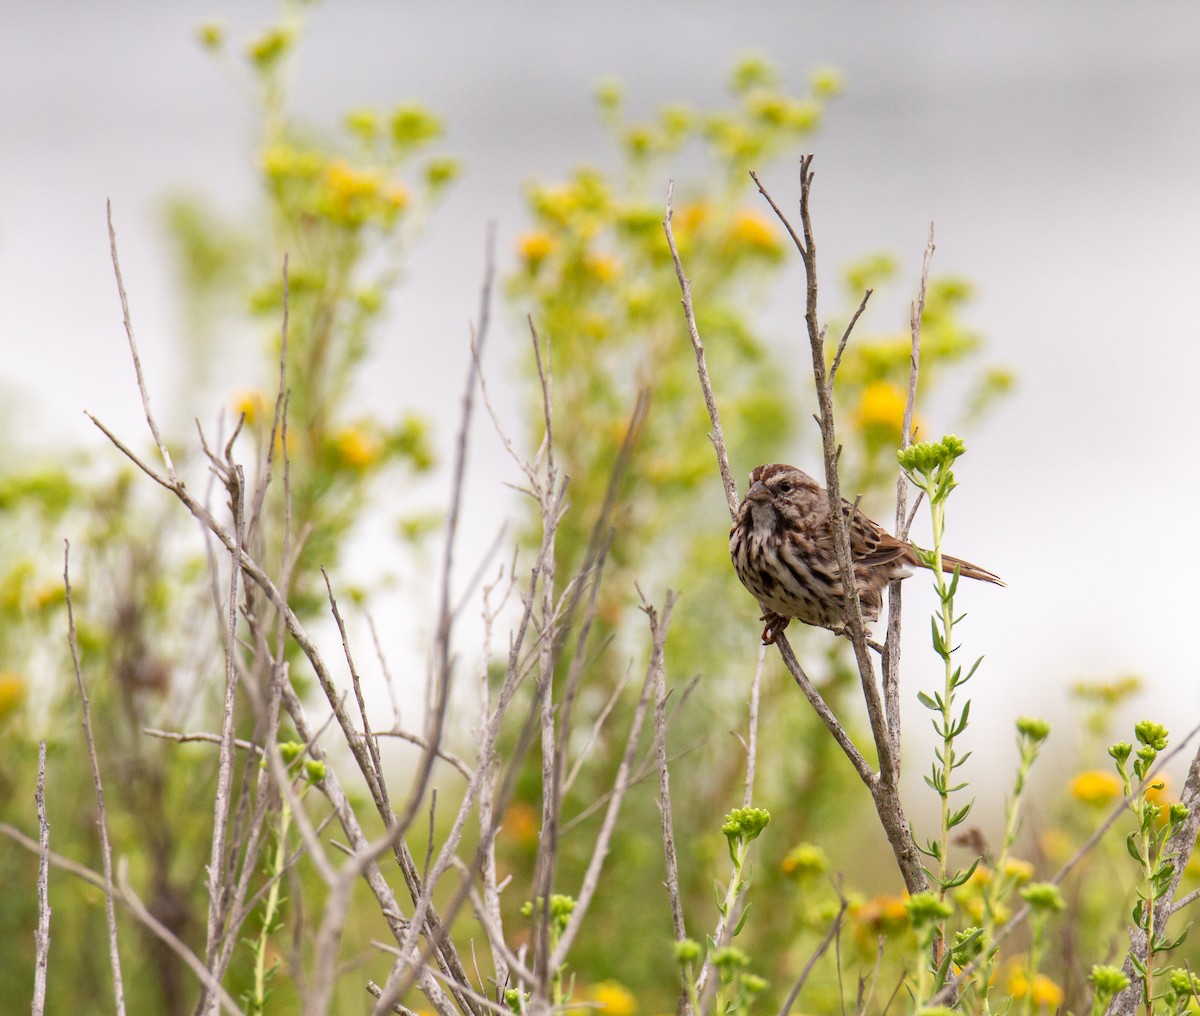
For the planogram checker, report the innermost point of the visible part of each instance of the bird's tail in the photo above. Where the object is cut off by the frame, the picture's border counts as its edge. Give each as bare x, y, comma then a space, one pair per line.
971, 571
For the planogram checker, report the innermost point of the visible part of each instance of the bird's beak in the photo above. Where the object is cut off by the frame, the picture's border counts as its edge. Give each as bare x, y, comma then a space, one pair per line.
758, 492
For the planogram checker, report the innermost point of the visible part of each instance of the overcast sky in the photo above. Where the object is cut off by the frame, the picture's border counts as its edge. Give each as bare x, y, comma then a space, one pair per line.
1054, 145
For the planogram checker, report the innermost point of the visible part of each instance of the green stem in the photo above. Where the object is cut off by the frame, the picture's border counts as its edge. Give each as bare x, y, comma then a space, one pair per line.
270, 911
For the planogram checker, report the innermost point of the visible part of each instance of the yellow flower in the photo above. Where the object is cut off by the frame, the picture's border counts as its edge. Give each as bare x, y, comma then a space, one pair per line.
395, 196
692, 216
882, 915
49, 595
356, 448
1096, 787
348, 193
604, 267
804, 861
613, 998
751, 229
13, 690
535, 247
521, 822
1044, 993
881, 405
250, 404
1017, 870
1056, 845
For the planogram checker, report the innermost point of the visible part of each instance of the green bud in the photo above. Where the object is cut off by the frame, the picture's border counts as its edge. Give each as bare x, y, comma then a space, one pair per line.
730, 959
1108, 980
314, 771
1043, 896
290, 751
1120, 751
687, 951
1034, 729
925, 908
1151, 734
1182, 983
745, 823
753, 984
1177, 813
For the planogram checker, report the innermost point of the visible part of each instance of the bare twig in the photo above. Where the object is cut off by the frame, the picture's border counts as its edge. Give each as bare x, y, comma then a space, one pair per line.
620, 784
114, 953
710, 400
891, 655
41, 938
830, 935
837, 358
752, 735
664, 807
137, 363
204, 737
218, 887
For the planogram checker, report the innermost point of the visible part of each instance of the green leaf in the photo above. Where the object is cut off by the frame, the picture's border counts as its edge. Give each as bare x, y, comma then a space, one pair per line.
1131, 846
928, 703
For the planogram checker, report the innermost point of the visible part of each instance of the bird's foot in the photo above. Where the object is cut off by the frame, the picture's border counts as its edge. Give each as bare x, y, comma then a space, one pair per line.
775, 624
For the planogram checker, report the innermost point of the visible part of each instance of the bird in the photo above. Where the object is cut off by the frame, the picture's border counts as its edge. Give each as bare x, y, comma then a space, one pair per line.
781, 544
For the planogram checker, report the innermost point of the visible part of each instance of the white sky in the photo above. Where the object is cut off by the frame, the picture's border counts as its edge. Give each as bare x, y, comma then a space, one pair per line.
1054, 145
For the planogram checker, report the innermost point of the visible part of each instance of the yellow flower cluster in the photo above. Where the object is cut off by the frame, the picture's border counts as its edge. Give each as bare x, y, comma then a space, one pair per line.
1040, 989
356, 448
1096, 787
336, 190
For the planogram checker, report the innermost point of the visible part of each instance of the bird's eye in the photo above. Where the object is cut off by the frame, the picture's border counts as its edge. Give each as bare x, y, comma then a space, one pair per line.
784, 488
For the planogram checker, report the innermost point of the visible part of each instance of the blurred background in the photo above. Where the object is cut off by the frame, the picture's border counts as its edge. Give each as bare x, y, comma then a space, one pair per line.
1053, 147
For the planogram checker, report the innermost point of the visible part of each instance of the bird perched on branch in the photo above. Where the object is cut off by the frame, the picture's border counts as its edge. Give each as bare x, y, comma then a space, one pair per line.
782, 549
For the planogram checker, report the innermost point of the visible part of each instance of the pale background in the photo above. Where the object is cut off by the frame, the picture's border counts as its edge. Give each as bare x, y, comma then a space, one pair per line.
1054, 145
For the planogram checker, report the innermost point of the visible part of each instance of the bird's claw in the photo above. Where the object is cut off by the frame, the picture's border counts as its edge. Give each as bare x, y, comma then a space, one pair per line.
775, 624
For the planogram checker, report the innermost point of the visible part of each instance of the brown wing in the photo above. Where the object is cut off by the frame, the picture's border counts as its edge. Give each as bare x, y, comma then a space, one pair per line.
871, 544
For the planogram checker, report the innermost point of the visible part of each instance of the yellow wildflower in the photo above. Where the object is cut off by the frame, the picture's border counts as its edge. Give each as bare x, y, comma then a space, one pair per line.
1044, 992
1096, 787
49, 595
881, 405
804, 861
535, 247
521, 823
348, 193
749, 228
882, 915
356, 448
1017, 870
613, 998
13, 690
250, 404
395, 197
603, 267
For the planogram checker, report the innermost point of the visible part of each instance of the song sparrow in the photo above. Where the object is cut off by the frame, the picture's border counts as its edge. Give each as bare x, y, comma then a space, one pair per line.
782, 550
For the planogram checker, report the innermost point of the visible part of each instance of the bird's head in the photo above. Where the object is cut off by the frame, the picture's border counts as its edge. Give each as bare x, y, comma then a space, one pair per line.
779, 493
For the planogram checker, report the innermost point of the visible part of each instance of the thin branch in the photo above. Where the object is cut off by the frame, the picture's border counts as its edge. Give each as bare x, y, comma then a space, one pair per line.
114, 953
752, 738
42, 935
664, 807
837, 358
710, 400
620, 786
891, 655
820, 951
204, 737
137, 363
